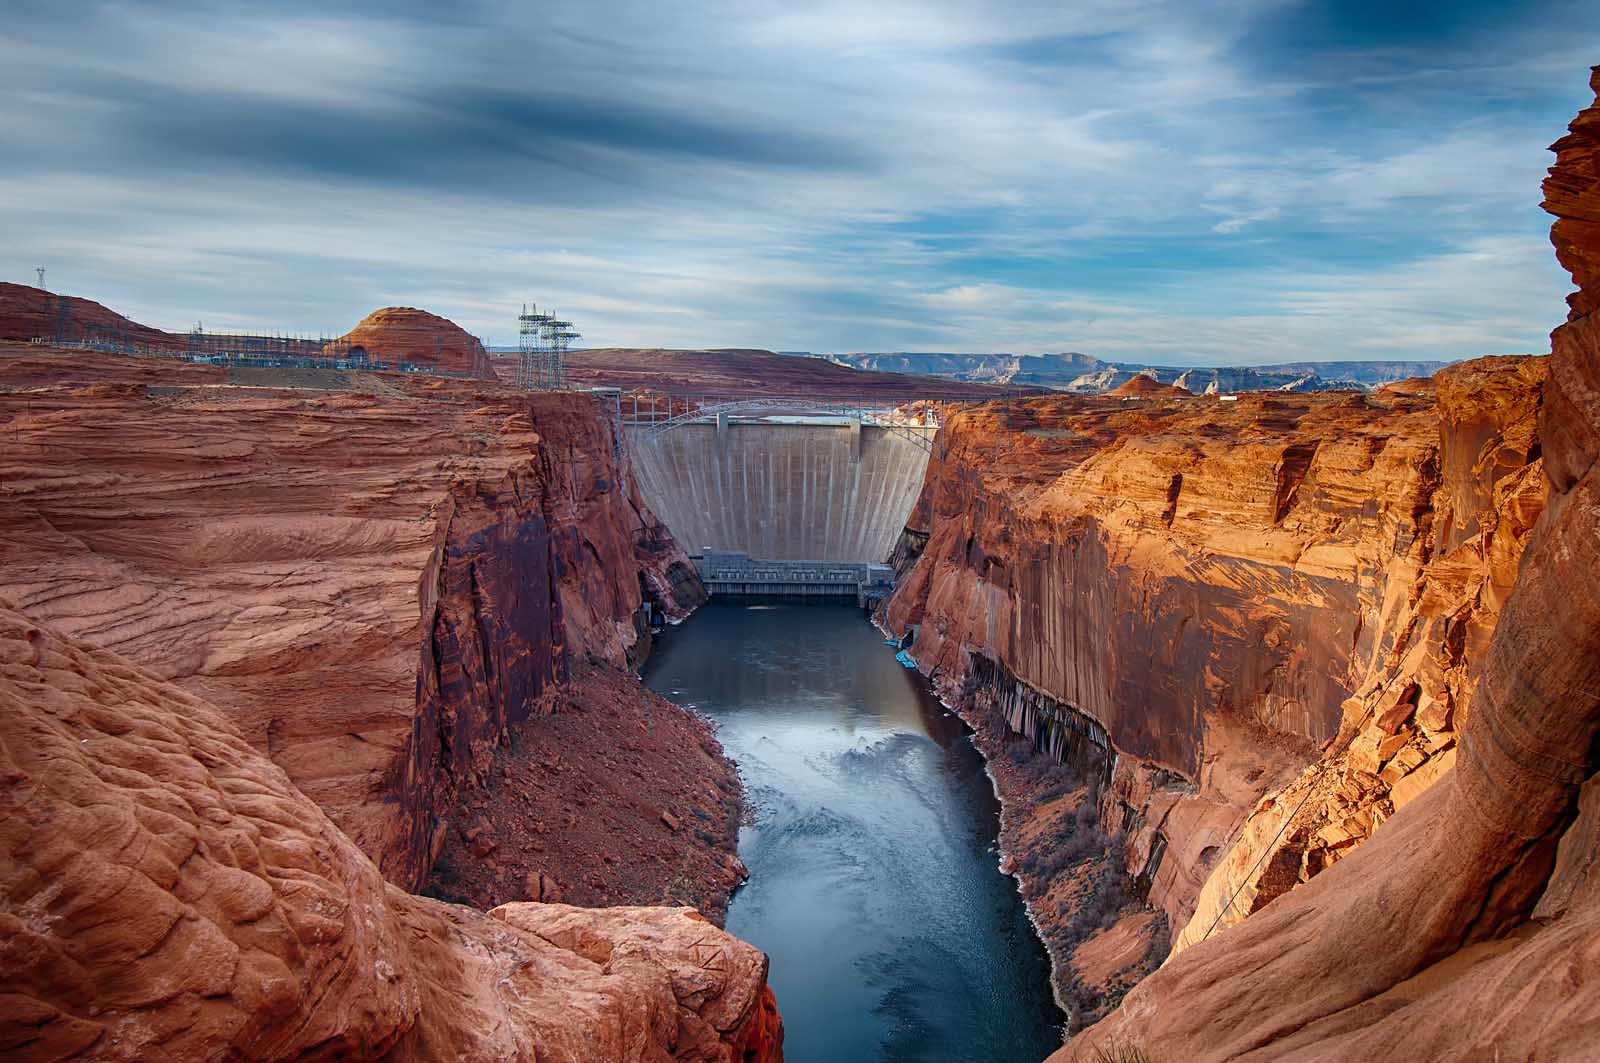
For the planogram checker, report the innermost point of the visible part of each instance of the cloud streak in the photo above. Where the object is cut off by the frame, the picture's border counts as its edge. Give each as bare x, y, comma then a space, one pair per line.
1180, 182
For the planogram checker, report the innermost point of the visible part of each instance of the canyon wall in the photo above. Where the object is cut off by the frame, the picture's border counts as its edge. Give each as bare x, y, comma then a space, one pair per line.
168, 893
375, 584
267, 651
1189, 599
1466, 926
794, 492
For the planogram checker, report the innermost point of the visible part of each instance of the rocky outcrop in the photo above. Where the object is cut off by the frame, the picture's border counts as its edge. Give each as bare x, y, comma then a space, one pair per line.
1465, 928
28, 313
167, 893
1400, 728
1189, 599
615, 797
375, 585
398, 334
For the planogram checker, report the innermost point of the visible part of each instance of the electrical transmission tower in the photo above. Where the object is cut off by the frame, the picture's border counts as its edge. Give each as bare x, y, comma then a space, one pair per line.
542, 344
40, 271
530, 352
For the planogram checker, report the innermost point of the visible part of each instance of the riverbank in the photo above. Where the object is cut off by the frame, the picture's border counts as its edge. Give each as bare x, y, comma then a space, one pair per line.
617, 797
1101, 940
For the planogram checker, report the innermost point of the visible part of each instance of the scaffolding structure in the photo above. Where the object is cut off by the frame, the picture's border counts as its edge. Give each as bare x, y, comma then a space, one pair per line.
542, 344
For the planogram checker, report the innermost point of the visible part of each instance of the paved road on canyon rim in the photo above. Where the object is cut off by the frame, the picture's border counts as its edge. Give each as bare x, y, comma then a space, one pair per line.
874, 885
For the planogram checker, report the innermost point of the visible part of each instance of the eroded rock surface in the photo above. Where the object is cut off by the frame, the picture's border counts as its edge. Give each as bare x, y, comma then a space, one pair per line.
617, 796
374, 584
1188, 599
1468, 927
167, 893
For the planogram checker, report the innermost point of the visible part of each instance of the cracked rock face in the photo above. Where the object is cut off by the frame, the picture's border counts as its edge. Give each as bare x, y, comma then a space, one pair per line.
166, 892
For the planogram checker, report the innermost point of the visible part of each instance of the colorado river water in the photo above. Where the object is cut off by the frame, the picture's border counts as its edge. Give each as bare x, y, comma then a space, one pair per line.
874, 885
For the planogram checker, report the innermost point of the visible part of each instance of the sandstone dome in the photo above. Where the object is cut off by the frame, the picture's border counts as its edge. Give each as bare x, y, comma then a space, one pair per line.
406, 334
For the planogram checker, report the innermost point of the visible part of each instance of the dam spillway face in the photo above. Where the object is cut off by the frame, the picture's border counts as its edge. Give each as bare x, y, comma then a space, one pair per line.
782, 491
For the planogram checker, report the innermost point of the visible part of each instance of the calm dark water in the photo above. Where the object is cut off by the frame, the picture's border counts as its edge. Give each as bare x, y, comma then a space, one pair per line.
874, 884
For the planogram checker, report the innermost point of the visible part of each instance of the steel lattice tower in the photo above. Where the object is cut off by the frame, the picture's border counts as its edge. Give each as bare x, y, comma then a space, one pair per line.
542, 343
532, 360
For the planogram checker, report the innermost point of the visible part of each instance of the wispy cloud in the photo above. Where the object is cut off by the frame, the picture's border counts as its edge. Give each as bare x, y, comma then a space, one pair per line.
1164, 180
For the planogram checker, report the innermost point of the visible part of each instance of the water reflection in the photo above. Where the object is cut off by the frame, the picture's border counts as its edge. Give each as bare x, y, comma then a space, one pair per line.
874, 884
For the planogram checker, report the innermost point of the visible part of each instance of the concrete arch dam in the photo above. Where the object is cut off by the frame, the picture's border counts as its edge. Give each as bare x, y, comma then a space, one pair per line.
807, 492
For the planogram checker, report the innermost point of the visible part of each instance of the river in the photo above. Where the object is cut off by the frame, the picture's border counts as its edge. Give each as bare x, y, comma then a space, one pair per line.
874, 883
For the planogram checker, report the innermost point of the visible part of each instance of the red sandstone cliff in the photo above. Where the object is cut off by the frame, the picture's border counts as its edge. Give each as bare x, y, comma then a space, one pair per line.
376, 585
405, 334
1187, 598
1466, 927
167, 893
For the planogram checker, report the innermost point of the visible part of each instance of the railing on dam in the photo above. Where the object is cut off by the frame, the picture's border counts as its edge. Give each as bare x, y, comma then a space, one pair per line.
916, 420
737, 574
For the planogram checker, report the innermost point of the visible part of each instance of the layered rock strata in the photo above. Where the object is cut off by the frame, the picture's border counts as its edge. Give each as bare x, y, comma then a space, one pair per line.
167, 893
376, 585
1188, 599
1466, 927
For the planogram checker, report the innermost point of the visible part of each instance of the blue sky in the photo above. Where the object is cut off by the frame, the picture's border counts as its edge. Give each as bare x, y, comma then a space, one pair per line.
1183, 183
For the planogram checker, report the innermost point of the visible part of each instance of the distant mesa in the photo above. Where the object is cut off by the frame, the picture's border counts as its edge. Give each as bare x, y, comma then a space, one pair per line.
398, 334
1084, 374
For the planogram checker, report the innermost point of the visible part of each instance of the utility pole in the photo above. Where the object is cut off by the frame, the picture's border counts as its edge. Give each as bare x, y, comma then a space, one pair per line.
40, 271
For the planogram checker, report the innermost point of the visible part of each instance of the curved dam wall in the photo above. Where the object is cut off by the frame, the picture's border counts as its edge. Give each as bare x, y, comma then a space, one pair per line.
782, 491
